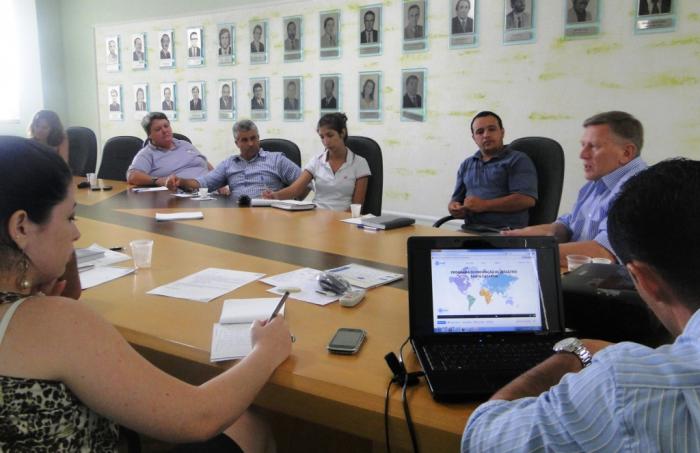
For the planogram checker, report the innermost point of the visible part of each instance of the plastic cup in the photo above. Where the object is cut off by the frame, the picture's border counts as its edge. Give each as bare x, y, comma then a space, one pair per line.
574, 261
601, 261
141, 252
203, 192
92, 179
355, 210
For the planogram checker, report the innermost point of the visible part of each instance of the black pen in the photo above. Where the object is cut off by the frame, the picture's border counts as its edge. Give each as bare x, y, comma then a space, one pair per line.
116, 249
279, 306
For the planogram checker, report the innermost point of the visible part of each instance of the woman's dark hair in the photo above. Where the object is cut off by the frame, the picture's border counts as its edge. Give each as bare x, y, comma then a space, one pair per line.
33, 178
364, 85
336, 121
57, 134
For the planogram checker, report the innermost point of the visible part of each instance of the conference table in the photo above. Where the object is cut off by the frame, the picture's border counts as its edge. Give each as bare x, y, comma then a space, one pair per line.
312, 392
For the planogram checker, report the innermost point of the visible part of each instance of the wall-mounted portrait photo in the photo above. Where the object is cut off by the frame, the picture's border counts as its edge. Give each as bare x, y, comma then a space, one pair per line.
370, 30
518, 23
414, 24
413, 94
329, 22
196, 97
330, 92
227, 99
259, 108
258, 42
292, 38
653, 7
112, 53
138, 51
581, 18
140, 99
227, 45
165, 54
463, 23
195, 49
655, 16
168, 102
292, 105
114, 102
370, 95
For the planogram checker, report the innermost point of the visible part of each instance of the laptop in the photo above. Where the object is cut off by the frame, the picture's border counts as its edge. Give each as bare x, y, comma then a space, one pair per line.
482, 310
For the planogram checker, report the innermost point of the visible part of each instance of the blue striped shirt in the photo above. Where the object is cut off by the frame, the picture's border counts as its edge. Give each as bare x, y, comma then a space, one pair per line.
267, 170
632, 398
588, 221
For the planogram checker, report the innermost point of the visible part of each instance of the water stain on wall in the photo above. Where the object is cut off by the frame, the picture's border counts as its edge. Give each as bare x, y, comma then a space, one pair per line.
426, 172
670, 81
551, 75
685, 41
392, 142
603, 48
539, 116
611, 85
402, 172
396, 195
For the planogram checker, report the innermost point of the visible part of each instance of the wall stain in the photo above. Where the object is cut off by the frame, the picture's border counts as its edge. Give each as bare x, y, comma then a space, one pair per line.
388, 90
373, 64
392, 142
694, 17
678, 42
411, 57
670, 80
353, 6
559, 43
455, 113
465, 53
539, 116
603, 48
551, 75
395, 195
402, 171
693, 141
611, 85
478, 96
437, 35
519, 57
426, 172
274, 130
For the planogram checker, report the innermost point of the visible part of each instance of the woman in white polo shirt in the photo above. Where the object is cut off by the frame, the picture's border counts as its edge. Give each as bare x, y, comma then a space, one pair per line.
339, 176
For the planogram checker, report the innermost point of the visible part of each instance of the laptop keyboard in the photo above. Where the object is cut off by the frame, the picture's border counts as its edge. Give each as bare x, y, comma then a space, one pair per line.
488, 355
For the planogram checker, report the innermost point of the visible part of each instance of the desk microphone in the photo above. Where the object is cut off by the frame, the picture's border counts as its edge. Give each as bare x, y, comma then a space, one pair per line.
244, 200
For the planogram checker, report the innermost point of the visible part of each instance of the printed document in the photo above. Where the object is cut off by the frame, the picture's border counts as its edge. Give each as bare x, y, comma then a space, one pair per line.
206, 285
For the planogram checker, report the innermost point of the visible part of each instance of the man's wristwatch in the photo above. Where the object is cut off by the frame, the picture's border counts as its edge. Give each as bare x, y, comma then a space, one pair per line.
574, 346
154, 180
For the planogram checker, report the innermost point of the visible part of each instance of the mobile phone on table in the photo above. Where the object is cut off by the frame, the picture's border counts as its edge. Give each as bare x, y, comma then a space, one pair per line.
347, 341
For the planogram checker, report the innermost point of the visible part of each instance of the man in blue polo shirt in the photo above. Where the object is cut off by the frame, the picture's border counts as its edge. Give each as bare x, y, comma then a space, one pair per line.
248, 173
497, 185
610, 148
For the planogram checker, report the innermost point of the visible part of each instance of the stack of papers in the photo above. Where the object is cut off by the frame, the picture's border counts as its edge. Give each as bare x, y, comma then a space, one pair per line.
97, 269
231, 335
185, 215
365, 277
303, 279
206, 285
293, 205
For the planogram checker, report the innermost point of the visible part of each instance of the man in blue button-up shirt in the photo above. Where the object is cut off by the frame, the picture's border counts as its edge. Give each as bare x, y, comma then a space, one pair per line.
497, 185
248, 173
610, 148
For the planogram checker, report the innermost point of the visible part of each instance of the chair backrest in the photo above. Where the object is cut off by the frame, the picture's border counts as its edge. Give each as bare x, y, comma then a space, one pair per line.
548, 157
117, 156
82, 150
175, 135
370, 150
281, 145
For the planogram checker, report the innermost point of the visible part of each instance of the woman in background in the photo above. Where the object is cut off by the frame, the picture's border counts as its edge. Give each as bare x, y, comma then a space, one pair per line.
340, 176
46, 128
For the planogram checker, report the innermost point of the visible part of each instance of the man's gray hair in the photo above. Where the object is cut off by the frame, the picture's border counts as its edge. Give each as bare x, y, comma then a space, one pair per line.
244, 126
621, 124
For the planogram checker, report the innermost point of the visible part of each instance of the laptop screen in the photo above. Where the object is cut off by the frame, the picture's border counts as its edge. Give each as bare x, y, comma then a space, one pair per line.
485, 290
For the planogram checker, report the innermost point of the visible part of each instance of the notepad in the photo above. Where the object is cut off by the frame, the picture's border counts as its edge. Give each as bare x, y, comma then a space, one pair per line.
187, 215
388, 222
231, 335
293, 205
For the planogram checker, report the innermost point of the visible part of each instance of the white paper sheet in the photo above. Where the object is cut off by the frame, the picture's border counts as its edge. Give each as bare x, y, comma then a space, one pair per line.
230, 341
365, 277
357, 220
261, 202
236, 311
149, 189
110, 256
102, 274
185, 215
303, 279
206, 285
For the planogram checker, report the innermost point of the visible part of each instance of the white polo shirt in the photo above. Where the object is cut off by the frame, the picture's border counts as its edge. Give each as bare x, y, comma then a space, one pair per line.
334, 191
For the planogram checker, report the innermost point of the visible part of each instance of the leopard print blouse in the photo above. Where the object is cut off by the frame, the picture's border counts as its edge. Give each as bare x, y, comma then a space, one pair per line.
45, 416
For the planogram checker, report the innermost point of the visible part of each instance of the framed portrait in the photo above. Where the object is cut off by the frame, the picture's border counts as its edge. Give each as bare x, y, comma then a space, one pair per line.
292, 105
168, 99
138, 51
370, 96
463, 24
166, 53
293, 38
195, 46
258, 42
371, 32
329, 36
197, 97
581, 18
518, 21
413, 94
112, 53
259, 108
655, 16
226, 36
414, 25
227, 99
140, 100
330, 93
114, 102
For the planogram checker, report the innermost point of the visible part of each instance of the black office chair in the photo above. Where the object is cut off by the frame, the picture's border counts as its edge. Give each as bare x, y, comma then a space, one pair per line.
370, 150
82, 150
117, 155
548, 157
175, 135
281, 145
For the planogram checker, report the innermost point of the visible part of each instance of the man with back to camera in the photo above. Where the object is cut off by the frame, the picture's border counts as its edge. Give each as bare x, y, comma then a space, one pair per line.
248, 173
194, 50
462, 23
629, 397
610, 150
413, 30
164, 155
578, 12
292, 42
412, 100
497, 185
369, 34
518, 17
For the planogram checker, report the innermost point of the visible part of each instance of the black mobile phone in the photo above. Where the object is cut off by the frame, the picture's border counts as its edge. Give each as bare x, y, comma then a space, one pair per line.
347, 341
106, 187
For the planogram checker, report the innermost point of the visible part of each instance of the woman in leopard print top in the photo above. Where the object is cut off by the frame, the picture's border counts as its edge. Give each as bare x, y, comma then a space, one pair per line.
67, 377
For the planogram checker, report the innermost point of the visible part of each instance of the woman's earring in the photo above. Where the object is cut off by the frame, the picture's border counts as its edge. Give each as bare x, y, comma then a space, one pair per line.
23, 281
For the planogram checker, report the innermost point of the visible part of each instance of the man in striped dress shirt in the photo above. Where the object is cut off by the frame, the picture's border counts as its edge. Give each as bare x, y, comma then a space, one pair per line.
630, 397
610, 149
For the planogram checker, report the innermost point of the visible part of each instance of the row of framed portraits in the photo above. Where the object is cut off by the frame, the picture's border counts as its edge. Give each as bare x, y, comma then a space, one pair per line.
195, 100
582, 19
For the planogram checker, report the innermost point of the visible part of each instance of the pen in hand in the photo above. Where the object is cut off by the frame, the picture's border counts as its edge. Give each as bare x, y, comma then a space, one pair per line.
279, 306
